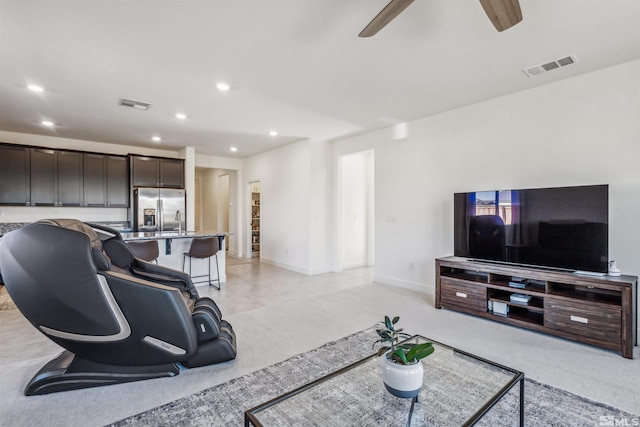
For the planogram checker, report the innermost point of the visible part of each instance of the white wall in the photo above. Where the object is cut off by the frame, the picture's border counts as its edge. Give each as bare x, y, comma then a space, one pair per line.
320, 206
356, 209
285, 207
189, 156
235, 204
583, 130
579, 131
215, 198
218, 204
214, 162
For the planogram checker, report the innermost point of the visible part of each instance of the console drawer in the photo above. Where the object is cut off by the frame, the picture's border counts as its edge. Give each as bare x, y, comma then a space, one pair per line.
597, 321
456, 293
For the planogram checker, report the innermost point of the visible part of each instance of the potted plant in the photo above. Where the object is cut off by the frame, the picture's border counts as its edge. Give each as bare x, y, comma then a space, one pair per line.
402, 371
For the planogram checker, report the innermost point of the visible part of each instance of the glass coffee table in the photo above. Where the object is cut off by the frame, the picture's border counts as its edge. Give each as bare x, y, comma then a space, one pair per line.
459, 388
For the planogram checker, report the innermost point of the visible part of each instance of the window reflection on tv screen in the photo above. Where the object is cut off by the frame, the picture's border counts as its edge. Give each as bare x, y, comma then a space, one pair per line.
564, 227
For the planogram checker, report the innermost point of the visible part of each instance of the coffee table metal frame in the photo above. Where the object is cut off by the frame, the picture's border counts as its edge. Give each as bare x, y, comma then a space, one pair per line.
518, 377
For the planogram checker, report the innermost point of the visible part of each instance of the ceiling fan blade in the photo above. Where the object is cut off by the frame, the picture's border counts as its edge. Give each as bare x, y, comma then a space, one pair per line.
387, 15
503, 14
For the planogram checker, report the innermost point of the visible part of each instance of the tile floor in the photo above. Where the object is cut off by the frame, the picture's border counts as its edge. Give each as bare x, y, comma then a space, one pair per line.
276, 314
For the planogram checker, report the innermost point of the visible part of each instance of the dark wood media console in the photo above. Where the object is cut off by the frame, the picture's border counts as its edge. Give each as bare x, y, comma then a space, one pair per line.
597, 310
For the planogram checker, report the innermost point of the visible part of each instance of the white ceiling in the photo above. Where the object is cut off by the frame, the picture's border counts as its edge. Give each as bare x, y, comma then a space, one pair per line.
295, 66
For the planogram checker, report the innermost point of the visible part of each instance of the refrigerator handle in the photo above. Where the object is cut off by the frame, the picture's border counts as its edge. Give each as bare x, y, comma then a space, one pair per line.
160, 216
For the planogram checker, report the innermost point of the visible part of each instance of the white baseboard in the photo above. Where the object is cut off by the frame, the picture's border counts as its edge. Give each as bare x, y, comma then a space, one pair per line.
354, 264
306, 271
406, 284
283, 265
319, 270
233, 252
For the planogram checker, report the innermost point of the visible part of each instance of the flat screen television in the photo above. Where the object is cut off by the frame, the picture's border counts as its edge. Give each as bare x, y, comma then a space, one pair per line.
564, 228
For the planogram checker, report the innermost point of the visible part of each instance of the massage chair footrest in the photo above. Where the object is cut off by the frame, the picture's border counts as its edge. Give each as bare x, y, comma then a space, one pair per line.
221, 349
70, 372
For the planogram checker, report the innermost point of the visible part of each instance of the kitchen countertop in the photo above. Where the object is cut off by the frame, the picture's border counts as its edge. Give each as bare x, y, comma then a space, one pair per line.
158, 235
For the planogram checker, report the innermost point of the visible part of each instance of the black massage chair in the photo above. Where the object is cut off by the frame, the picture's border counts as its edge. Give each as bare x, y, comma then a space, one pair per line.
119, 318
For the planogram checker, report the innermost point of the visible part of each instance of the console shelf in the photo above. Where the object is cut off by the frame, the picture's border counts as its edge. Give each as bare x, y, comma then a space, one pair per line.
597, 310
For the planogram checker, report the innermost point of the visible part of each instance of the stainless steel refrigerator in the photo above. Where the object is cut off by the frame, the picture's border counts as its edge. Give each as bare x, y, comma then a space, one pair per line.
158, 209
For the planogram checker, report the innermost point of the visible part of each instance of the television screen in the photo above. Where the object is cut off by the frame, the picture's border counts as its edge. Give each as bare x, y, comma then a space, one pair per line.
564, 227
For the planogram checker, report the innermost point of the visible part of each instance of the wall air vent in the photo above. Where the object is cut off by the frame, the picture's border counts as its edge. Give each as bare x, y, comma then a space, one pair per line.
134, 104
548, 66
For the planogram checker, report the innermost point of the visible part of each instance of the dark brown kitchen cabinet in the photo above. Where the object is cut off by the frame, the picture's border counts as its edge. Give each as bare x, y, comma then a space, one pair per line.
56, 178
117, 181
157, 172
106, 180
15, 176
172, 173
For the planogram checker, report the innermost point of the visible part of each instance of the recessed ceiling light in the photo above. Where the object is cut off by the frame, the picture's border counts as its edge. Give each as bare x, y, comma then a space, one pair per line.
234, 149
223, 87
156, 138
273, 133
36, 88
181, 116
47, 123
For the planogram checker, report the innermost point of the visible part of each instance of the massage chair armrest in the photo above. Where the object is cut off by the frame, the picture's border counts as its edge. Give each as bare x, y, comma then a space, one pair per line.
164, 275
156, 313
122, 257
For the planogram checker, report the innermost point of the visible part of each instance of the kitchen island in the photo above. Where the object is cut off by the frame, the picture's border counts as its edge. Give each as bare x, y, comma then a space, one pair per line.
173, 245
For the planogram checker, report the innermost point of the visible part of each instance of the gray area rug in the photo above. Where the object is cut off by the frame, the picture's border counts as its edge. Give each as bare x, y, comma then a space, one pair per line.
224, 405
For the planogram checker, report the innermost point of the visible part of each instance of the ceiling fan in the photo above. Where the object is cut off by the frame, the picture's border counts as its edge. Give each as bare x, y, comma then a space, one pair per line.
503, 14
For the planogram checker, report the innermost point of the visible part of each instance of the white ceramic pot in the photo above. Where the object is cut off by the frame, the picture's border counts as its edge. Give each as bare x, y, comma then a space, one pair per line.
402, 380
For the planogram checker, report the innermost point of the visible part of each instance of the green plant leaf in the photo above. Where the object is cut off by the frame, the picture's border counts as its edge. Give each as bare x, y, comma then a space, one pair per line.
384, 335
420, 351
395, 320
387, 323
399, 353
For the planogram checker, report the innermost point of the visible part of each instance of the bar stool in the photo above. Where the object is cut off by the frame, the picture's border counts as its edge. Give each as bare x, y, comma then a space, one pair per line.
203, 248
145, 249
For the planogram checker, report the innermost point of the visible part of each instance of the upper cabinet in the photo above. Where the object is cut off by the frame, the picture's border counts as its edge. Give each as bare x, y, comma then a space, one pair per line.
157, 172
34, 176
15, 176
106, 180
56, 178
172, 173
118, 181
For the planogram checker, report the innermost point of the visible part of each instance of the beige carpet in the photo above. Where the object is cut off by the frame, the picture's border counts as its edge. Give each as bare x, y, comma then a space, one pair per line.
5, 300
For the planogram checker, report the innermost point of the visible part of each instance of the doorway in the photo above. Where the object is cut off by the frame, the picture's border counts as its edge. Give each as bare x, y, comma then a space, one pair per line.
355, 210
255, 216
215, 199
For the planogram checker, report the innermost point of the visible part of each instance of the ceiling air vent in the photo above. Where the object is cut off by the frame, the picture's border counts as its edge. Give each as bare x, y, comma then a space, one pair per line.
134, 104
558, 63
